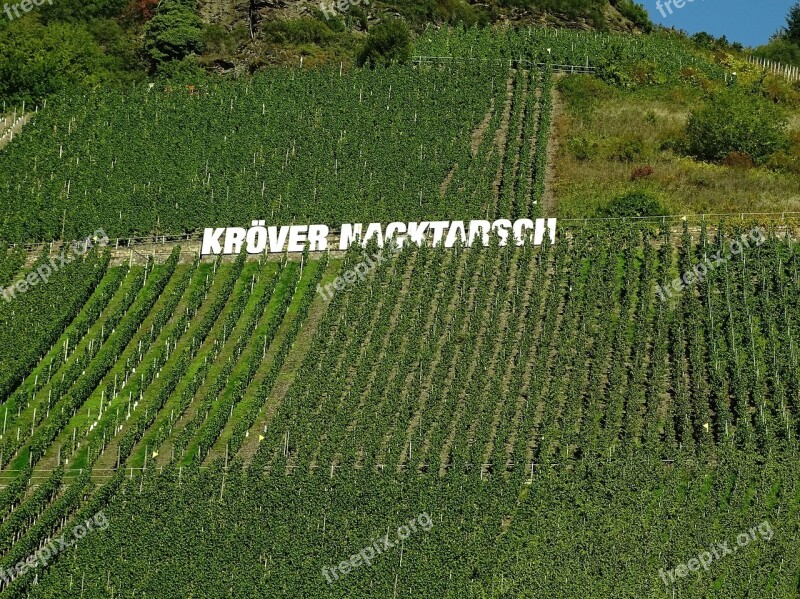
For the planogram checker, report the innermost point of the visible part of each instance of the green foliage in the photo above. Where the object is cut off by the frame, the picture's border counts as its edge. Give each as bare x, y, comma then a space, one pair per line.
793, 24
582, 93
628, 149
735, 120
72, 11
303, 30
186, 71
634, 203
175, 32
388, 43
583, 147
39, 60
121, 47
654, 435
33, 320
624, 60
634, 12
460, 12
780, 49
218, 40
360, 16
571, 8
181, 161
785, 162
706, 41
419, 13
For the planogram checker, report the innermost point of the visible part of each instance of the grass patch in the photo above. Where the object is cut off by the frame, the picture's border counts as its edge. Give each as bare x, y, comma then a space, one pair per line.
614, 142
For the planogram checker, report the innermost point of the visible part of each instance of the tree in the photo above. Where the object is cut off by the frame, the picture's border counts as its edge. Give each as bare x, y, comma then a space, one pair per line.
174, 33
793, 24
39, 60
389, 42
736, 120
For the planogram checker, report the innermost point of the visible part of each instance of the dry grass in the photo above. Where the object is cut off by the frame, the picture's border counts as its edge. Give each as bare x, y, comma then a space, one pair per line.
600, 148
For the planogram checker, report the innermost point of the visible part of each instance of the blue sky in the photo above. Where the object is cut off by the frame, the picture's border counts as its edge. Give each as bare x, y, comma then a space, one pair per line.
750, 22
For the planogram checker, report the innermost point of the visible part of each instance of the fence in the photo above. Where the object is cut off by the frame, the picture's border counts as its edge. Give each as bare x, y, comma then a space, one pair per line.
511, 62
131, 243
789, 72
783, 217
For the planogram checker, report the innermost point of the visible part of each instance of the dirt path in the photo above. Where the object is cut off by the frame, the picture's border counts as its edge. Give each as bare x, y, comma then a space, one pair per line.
501, 138
292, 365
480, 131
549, 204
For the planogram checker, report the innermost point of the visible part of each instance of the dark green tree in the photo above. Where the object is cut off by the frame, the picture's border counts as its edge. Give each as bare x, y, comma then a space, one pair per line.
37, 60
176, 31
793, 24
387, 43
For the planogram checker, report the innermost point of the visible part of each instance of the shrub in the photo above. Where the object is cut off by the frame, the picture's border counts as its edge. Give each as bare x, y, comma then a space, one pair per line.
582, 92
459, 12
641, 172
634, 203
793, 24
736, 121
784, 162
582, 147
174, 33
629, 149
298, 31
738, 160
37, 61
389, 42
780, 91
647, 72
635, 13
187, 69
359, 15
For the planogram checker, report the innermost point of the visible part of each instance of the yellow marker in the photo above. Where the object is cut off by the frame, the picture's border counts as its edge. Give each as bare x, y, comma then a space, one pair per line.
260, 438
155, 454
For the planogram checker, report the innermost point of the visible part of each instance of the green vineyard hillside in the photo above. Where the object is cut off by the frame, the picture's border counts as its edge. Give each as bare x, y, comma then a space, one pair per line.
579, 418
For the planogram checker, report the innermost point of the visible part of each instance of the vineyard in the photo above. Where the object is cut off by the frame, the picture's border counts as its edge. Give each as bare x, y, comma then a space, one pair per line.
207, 393
373, 148
325, 146
569, 429
623, 59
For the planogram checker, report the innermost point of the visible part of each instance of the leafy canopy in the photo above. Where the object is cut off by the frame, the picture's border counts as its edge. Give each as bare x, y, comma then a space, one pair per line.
389, 42
737, 120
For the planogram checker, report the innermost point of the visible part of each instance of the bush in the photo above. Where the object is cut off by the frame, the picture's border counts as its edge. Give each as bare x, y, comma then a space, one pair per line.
583, 148
783, 162
780, 49
629, 149
634, 203
298, 31
174, 33
635, 13
37, 61
793, 24
736, 121
647, 72
389, 42
179, 71
641, 172
582, 92
738, 160
459, 12
359, 15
